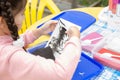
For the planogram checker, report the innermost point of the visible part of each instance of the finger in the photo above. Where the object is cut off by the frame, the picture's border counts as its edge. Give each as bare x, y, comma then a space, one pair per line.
68, 31
52, 21
55, 21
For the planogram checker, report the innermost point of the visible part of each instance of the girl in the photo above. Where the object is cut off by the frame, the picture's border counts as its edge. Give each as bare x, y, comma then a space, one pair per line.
17, 64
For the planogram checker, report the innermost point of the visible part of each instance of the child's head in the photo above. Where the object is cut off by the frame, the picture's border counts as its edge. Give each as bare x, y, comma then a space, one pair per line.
11, 14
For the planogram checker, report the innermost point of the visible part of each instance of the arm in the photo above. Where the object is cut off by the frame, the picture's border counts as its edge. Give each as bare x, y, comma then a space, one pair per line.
30, 36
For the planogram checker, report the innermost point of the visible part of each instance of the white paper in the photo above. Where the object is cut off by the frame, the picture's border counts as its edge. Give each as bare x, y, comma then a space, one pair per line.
61, 25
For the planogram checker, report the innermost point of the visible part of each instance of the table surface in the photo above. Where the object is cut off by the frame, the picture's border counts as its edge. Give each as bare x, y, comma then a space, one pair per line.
112, 74
102, 28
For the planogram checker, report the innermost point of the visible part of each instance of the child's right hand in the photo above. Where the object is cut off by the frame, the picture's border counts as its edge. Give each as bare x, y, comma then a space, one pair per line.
73, 31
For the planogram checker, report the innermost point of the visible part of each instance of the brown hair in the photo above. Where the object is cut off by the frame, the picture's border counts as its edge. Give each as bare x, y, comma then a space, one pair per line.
8, 9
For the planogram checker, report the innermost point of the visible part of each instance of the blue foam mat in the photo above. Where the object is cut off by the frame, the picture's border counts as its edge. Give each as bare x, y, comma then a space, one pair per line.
87, 68
77, 17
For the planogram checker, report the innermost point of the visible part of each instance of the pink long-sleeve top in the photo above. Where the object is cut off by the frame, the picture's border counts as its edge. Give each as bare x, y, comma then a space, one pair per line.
16, 64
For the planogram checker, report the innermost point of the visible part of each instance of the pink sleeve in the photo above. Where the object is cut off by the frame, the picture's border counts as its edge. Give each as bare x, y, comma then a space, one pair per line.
28, 37
24, 66
70, 57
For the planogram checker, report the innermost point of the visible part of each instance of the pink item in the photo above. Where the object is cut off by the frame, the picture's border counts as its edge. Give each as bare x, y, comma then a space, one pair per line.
113, 62
94, 37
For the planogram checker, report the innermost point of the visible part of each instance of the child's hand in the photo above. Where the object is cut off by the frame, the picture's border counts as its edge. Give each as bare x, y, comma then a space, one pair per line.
48, 26
73, 31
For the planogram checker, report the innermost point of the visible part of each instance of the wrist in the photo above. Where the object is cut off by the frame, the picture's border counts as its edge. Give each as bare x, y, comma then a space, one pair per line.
37, 32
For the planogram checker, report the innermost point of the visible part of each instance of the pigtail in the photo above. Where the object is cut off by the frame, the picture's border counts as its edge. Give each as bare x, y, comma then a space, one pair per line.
6, 12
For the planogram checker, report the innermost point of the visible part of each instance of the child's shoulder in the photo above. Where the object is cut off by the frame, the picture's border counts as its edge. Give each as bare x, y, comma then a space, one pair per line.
8, 48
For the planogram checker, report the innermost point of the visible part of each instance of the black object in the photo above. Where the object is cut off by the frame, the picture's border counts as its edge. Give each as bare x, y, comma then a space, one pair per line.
44, 52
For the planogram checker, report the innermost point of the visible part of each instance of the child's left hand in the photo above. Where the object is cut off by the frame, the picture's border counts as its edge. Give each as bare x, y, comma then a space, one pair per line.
48, 26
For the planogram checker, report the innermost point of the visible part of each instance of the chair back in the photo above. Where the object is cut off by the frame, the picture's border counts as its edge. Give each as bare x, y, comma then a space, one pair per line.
34, 12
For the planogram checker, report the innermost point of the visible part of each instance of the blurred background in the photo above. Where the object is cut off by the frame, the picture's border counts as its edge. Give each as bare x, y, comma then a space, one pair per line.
70, 4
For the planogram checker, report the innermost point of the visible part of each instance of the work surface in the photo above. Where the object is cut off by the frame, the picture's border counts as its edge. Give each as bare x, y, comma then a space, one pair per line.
108, 73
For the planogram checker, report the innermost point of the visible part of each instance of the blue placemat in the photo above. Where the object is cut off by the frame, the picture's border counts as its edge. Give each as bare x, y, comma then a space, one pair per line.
77, 17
